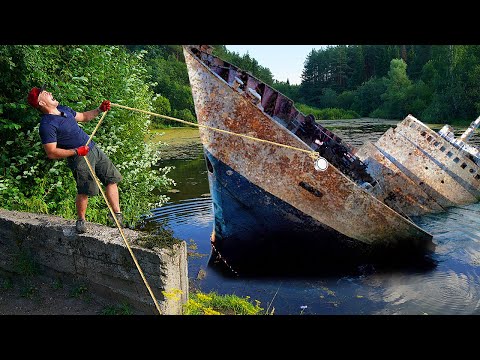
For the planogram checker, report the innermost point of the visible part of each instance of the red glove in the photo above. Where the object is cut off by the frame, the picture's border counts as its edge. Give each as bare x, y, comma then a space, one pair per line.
82, 150
105, 105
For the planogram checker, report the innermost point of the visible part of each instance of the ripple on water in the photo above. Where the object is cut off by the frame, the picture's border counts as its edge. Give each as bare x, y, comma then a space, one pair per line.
456, 233
446, 292
454, 286
451, 287
197, 211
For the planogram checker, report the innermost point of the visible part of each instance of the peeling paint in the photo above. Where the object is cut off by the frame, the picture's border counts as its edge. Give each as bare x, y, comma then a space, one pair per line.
447, 174
344, 197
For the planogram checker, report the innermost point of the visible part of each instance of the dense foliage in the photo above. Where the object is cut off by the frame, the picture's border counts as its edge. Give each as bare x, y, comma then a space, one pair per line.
438, 83
79, 77
435, 83
167, 72
244, 62
432, 82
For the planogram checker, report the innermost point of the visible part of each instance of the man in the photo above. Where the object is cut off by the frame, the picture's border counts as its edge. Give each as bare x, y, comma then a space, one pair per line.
63, 138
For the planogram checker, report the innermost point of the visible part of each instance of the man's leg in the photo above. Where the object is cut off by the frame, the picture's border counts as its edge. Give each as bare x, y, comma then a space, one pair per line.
110, 177
81, 204
111, 190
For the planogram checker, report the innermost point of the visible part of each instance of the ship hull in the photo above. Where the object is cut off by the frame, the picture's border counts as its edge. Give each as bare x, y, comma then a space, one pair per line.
254, 229
432, 164
328, 204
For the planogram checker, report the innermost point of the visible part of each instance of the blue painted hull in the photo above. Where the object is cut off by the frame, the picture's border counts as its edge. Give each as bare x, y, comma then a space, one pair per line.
270, 200
252, 226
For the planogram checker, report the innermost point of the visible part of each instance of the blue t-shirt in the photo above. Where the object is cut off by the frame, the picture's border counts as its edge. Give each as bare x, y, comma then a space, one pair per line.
63, 129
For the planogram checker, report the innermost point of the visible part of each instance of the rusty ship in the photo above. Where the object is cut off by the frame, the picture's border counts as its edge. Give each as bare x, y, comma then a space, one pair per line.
347, 201
433, 171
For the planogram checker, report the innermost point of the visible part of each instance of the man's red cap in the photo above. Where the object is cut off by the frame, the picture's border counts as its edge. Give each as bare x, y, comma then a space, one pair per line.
33, 96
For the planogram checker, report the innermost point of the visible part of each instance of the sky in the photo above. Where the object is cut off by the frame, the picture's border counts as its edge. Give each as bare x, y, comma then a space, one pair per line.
284, 61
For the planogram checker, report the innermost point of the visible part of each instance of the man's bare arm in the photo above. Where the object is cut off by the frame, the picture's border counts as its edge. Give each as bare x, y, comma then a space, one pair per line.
87, 115
56, 153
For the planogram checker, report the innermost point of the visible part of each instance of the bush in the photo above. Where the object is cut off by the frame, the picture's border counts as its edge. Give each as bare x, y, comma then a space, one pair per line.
79, 77
327, 114
215, 304
161, 105
186, 115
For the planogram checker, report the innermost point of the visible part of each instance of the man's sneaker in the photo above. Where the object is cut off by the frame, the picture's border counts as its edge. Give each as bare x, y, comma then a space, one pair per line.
119, 217
81, 226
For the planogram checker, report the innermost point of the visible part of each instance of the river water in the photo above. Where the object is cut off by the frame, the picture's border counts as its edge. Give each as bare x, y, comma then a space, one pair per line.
444, 282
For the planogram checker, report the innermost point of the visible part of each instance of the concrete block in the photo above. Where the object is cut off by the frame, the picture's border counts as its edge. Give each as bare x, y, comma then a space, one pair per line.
98, 258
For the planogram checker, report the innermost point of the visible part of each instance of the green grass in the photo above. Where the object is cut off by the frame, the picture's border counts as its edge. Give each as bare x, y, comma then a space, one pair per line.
328, 113
215, 304
79, 291
122, 309
457, 124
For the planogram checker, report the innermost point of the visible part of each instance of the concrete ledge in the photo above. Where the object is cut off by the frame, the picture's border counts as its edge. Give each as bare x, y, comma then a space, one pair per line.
98, 258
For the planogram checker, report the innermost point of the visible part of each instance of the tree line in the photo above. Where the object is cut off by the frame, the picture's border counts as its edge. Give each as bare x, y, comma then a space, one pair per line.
435, 83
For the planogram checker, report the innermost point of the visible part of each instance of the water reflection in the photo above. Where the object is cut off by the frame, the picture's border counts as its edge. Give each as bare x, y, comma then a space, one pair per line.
288, 260
443, 282
440, 292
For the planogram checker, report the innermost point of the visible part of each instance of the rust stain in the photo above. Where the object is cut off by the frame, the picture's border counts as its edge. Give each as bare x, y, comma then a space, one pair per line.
287, 174
395, 188
424, 163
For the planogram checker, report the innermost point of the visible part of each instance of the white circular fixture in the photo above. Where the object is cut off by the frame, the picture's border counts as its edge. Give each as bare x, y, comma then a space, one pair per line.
321, 164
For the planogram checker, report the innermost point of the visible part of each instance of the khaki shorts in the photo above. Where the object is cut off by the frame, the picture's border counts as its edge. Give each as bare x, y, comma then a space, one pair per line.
106, 172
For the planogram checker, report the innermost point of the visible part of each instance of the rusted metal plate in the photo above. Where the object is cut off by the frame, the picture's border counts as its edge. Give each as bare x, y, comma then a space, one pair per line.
332, 198
454, 161
412, 154
394, 188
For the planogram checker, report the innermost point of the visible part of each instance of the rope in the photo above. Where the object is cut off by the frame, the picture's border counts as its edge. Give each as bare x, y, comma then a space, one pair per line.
313, 154
116, 221
96, 127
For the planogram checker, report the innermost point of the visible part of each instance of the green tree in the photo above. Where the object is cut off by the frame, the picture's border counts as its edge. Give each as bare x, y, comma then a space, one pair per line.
345, 100
290, 91
328, 99
161, 105
395, 97
418, 56
244, 62
368, 96
417, 99
356, 62
451, 73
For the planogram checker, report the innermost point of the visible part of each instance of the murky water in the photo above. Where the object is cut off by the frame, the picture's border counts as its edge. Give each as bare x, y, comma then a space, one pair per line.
445, 282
